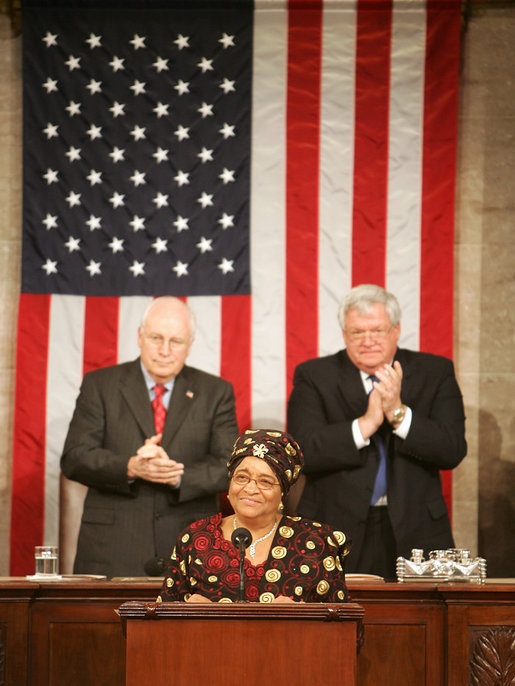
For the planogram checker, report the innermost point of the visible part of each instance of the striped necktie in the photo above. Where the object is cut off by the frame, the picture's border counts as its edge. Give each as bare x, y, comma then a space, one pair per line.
159, 408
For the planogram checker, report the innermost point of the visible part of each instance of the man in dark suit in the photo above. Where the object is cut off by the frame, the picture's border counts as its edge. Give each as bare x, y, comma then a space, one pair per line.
373, 447
145, 484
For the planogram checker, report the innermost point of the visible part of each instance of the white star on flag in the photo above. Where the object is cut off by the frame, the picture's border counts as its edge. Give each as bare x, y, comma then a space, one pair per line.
117, 109
160, 155
73, 108
181, 269
182, 178
73, 244
117, 199
226, 266
93, 268
50, 176
117, 155
94, 177
50, 85
73, 154
182, 41
94, 223
50, 221
116, 63
50, 267
73, 63
160, 245
138, 42
116, 245
137, 268
181, 223
94, 41
137, 223
50, 39
50, 130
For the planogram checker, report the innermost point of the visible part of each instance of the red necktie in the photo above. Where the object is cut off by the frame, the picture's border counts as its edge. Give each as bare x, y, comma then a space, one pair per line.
159, 408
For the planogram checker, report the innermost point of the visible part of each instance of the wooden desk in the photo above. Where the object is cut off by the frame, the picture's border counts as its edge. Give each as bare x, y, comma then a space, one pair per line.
404, 635
68, 632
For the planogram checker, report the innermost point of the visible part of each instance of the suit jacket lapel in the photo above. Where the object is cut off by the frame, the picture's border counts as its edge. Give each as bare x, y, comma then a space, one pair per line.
185, 392
135, 394
409, 382
352, 391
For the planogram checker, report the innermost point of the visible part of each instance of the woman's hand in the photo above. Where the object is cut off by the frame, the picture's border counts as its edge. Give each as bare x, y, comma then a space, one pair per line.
197, 598
283, 599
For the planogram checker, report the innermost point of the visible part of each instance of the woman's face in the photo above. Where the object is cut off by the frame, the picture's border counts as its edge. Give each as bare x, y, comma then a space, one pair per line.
261, 495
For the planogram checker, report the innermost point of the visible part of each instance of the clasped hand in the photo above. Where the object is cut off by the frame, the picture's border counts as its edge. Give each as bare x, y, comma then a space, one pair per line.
151, 463
383, 400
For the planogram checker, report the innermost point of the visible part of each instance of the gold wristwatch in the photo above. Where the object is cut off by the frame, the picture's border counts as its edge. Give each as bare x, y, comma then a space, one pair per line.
398, 415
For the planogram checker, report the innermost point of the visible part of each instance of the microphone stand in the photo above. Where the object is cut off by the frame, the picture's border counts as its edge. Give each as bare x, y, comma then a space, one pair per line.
241, 599
241, 539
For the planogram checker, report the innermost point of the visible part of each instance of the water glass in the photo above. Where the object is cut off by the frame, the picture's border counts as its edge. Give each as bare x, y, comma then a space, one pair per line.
47, 560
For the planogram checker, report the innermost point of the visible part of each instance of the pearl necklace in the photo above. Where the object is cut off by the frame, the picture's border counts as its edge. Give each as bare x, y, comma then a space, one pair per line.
252, 549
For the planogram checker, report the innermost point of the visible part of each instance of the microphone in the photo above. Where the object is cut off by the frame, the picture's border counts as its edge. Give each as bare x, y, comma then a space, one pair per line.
241, 538
155, 566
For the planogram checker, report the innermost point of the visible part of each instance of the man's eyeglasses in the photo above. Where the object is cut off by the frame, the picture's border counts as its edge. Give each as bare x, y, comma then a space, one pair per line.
158, 342
262, 482
374, 334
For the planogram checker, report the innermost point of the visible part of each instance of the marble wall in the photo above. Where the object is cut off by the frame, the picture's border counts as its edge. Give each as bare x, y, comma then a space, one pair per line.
485, 285
484, 282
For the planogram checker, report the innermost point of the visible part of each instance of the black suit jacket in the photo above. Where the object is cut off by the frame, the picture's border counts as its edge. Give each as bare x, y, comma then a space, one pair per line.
126, 524
327, 396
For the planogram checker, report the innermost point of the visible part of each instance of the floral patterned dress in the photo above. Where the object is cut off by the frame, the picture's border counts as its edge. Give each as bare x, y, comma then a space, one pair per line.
304, 563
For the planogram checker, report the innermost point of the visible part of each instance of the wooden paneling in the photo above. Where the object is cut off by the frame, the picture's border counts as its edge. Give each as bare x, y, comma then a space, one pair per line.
470, 615
404, 635
76, 643
14, 623
14, 633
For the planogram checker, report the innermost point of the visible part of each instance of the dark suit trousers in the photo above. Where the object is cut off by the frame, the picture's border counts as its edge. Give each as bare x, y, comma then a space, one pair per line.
378, 554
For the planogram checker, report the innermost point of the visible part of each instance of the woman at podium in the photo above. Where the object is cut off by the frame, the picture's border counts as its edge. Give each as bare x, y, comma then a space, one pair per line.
258, 554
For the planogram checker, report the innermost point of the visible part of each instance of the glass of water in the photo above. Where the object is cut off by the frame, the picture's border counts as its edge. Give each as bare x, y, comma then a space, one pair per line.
47, 560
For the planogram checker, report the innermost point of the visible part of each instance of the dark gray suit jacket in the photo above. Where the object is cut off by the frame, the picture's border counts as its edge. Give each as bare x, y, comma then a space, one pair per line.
124, 524
327, 396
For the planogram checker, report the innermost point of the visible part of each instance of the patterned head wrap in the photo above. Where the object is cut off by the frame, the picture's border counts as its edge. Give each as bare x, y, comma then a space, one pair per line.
279, 450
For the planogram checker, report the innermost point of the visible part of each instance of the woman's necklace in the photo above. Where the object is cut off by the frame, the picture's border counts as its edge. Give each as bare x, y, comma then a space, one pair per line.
252, 549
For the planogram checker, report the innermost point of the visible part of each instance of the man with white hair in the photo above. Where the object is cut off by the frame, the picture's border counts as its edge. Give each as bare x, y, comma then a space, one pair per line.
150, 439
376, 424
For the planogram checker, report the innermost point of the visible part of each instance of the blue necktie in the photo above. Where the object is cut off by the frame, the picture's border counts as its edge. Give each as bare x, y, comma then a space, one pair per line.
380, 482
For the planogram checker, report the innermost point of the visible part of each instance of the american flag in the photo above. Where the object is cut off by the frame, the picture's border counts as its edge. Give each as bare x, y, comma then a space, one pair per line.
258, 160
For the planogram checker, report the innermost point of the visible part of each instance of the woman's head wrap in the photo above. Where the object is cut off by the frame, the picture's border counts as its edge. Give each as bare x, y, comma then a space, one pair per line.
279, 450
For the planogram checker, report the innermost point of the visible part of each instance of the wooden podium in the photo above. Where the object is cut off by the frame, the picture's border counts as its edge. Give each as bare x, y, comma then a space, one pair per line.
240, 643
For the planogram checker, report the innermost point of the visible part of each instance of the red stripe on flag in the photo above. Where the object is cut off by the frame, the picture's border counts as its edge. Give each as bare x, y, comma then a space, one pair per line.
438, 186
236, 366
28, 477
302, 182
439, 170
373, 46
100, 332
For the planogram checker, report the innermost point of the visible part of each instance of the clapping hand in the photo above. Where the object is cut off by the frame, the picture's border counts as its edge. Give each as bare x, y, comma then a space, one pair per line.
151, 463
